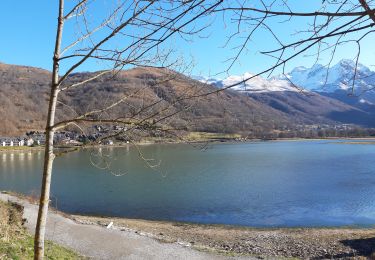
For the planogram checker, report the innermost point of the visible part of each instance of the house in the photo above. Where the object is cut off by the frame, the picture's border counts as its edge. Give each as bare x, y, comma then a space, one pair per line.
108, 142
119, 128
8, 142
74, 142
18, 142
99, 128
39, 138
65, 140
29, 141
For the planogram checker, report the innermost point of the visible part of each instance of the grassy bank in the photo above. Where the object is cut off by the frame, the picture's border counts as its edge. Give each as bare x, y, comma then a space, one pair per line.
20, 148
16, 243
203, 136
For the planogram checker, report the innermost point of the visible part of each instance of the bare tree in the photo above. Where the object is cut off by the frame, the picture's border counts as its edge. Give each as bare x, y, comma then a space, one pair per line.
132, 33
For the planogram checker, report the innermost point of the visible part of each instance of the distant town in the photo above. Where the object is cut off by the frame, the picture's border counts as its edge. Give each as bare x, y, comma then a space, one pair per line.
99, 134
69, 138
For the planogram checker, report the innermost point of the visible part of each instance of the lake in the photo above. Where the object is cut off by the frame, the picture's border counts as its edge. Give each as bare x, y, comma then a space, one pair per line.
260, 184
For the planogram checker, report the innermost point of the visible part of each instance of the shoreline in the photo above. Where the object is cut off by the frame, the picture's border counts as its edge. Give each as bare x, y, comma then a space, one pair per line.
324, 242
287, 242
206, 141
98, 242
79, 216
34, 200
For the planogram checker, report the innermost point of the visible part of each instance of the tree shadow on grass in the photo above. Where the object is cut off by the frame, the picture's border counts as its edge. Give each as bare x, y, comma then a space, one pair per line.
364, 247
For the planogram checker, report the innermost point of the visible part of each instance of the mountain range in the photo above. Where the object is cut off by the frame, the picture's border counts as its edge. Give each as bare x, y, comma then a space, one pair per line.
281, 103
346, 75
350, 83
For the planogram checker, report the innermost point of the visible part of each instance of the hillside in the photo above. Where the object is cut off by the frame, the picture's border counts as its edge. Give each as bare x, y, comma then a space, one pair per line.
159, 94
330, 92
312, 108
23, 99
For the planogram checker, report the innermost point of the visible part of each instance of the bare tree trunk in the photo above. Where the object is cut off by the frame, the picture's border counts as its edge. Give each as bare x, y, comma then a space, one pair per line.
49, 156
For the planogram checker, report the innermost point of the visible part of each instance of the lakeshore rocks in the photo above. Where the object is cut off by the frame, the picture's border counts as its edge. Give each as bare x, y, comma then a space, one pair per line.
301, 243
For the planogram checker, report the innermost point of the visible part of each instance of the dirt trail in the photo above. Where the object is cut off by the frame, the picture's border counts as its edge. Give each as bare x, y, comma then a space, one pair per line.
101, 243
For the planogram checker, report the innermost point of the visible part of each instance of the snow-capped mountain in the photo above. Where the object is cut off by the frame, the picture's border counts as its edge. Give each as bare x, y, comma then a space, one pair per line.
331, 91
253, 85
320, 78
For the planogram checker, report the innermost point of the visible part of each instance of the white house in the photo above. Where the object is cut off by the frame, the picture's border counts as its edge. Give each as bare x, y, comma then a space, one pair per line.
74, 142
108, 142
29, 141
18, 142
9, 142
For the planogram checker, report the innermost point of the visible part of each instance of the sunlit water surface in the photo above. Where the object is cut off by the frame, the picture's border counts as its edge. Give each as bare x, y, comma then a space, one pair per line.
284, 183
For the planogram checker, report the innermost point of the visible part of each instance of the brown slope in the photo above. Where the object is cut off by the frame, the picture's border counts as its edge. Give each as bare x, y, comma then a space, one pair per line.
23, 99
309, 107
227, 111
23, 94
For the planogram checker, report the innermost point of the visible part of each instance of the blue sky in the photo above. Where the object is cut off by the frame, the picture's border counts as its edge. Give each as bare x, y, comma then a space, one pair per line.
28, 30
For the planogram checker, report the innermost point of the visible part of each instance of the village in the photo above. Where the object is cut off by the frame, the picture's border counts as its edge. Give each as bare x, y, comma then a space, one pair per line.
65, 138
99, 134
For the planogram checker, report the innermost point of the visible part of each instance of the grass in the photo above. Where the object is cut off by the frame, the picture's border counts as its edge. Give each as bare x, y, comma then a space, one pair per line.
20, 148
17, 243
203, 136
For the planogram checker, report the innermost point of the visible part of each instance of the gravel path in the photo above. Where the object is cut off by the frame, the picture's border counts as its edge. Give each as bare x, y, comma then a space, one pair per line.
101, 243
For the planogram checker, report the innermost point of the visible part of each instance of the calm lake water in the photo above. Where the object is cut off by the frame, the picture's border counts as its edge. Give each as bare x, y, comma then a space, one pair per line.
264, 184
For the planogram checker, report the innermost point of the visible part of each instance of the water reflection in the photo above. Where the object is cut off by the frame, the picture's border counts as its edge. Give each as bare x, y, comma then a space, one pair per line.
258, 184
3, 157
21, 156
16, 163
